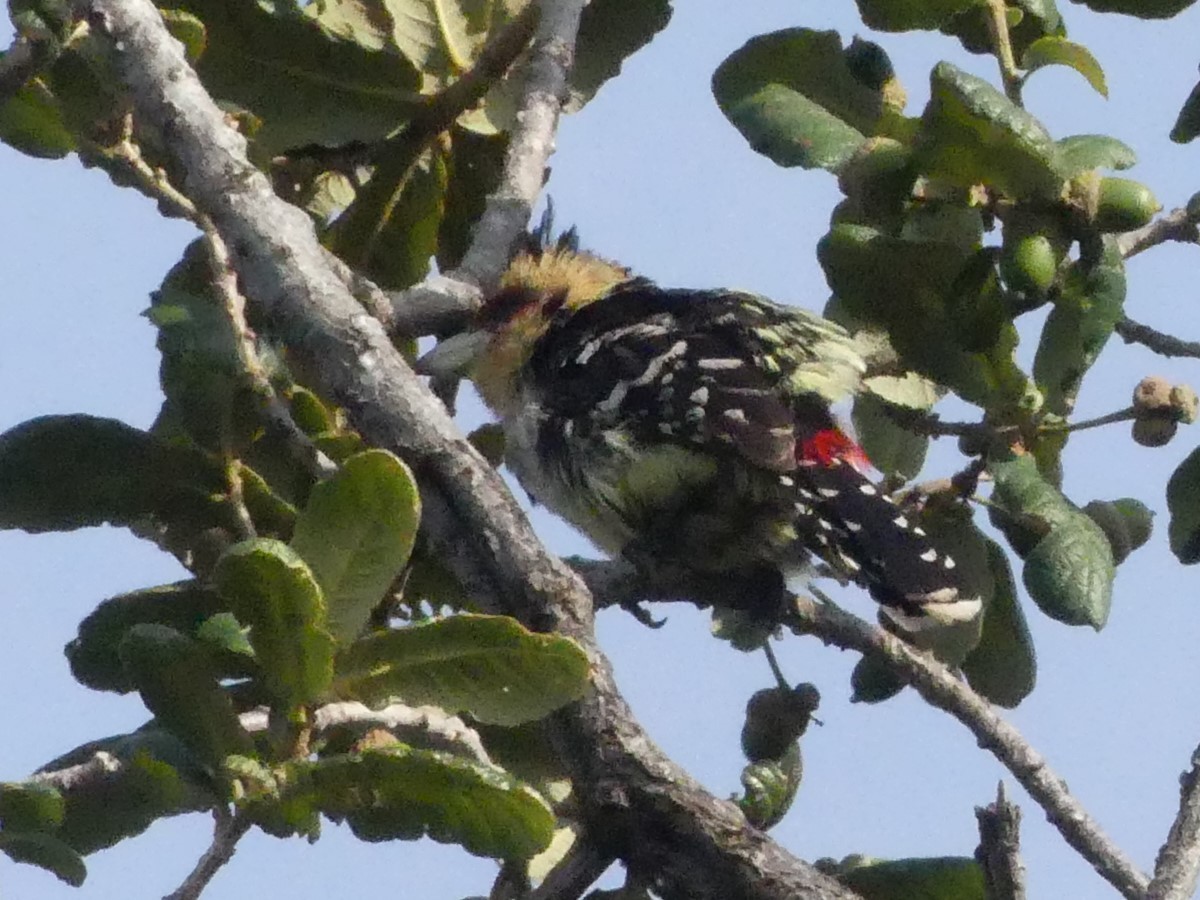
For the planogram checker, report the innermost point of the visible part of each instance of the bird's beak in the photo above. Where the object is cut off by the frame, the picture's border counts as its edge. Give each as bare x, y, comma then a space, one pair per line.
455, 356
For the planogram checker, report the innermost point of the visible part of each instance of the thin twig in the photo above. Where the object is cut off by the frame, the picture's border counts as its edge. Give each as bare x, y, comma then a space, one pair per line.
1178, 862
530, 145
227, 831
1161, 343
152, 182
1121, 415
940, 687
224, 282
773, 662
999, 851
1177, 225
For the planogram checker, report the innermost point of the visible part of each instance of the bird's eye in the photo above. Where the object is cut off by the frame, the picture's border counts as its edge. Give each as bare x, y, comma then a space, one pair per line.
554, 303
505, 305
511, 302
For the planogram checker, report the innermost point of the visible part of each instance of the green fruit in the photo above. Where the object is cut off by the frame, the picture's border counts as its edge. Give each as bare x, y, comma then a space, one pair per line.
1123, 204
1029, 264
869, 64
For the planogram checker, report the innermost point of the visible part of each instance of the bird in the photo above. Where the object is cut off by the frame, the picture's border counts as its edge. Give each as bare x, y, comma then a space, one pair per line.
691, 429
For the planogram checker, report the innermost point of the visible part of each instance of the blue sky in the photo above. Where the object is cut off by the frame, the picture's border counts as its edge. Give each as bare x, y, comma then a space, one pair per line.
653, 175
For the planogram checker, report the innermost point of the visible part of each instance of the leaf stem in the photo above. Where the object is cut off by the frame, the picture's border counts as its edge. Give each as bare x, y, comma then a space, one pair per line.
997, 18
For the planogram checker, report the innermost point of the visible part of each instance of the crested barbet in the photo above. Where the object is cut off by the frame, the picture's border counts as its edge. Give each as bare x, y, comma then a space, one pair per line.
691, 428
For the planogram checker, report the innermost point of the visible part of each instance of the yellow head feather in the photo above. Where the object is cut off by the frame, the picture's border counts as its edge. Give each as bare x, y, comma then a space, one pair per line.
542, 282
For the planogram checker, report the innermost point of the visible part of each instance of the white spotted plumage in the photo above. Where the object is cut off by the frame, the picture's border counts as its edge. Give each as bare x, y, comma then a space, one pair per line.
677, 425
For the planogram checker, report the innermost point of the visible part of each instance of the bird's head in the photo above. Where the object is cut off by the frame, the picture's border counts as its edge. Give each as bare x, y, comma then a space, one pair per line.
545, 279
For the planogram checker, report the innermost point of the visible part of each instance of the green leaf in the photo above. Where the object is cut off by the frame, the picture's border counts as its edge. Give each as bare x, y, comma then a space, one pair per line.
489, 666
45, 851
972, 134
1025, 505
174, 675
527, 752
795, 98
272, 515
890, 446
936, 296
770, 788
1085, 313
1126, 523
356, 534
610, 31
390, 231
29, 806
1069, 574
188, 30
308, 83
201, 372
1081, 153
93, 653
743, 630
225, 632
404, 793
1187, 125
1183, 503
31, 122
279, 800
909, 390
910, 15
309, 412
474, 166
148, 785
58, 473
1057, 51
1003, 667
1143, 9
270, 589
932, 878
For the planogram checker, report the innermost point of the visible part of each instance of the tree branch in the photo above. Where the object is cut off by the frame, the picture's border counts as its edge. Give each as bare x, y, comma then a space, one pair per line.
1161, 343
1178, 863
664, 825
530, 145
577, 871
617, 582
940, 687
1000, 848
1177, 225
227, 831
440, 305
